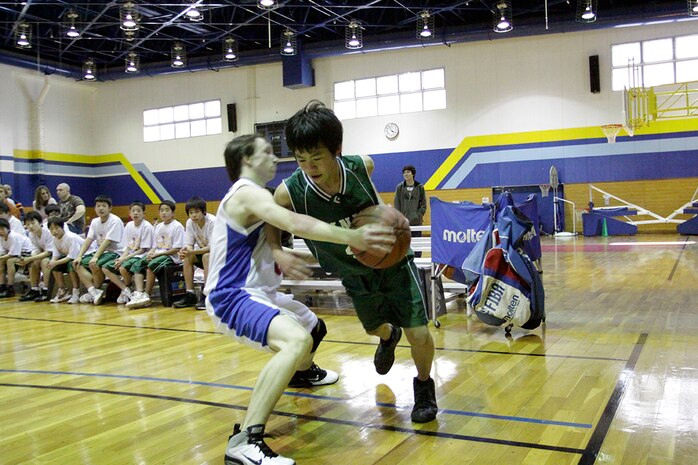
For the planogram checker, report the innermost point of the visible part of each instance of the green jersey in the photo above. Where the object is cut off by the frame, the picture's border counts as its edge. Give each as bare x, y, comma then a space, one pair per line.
356, 192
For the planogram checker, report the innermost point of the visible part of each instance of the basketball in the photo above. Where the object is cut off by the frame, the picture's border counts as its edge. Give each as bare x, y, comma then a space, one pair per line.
387, 216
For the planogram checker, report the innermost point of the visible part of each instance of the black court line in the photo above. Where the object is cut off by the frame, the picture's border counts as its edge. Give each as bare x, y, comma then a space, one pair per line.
334, 341
599, 435
399, 429
676, 263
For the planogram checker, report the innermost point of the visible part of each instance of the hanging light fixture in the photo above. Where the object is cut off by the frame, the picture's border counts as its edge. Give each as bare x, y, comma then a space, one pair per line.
230, 49
693, 7
133, 63
130, 35
23, 35
353, 36
502, 19
288, 43
71, 30
193, 13
89, 70
267, 4
129, 16
179, 55
425, 25
586, 11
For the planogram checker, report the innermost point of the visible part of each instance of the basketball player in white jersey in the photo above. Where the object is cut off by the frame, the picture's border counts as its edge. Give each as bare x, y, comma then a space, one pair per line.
241, 289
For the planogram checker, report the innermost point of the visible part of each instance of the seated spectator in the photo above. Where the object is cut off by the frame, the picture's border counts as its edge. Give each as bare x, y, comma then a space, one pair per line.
20, 207
5, 199
42, 199
66, 247
13, 247
42, 243
197, 235
15, 224
72, 209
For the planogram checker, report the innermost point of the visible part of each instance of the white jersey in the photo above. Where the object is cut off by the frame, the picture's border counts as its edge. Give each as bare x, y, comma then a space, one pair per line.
69, 246
112, 230
169, 236
15, 245
138, 237
240, 257
16, 225
43, 243
196, 236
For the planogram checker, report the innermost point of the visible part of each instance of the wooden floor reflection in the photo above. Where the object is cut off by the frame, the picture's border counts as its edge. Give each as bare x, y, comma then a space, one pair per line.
611, 378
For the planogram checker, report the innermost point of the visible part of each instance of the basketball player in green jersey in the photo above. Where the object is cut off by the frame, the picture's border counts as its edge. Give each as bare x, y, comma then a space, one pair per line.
334, 188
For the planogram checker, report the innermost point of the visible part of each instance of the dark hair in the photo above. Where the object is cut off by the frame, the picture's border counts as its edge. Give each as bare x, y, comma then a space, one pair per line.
313, 125
409, 168
51, 208
235, 151
197, 203
137, 203
169, 203
37, 196
4, 208
57, 220
33, 215
4, 223
103, 199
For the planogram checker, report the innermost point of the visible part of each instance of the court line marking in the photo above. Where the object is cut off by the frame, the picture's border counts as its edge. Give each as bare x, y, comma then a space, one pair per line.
599, 435
334, 341
358, 424
300, 394
676, 263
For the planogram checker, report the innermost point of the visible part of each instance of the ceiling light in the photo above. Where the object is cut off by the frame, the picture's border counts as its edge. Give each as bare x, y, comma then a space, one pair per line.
288, 43
129, 16
502, 17
586, 11
230, 49
266, 4
71, 17
133, 62
23, 35
193, 13
693, 7
425, 25
179, 55
89, 70
353, 36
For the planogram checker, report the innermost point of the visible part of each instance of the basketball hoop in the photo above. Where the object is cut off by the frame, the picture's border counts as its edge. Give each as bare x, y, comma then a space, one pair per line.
611, 131
544, 189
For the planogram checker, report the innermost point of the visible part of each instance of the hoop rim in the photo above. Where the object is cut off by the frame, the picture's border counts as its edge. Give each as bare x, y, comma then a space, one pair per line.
612, 125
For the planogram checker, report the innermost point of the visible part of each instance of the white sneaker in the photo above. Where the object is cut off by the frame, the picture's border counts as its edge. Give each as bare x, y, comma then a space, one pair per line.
98, 296
65, 297
139, 300
60, 294
75, 298
124, 297
86, 298
242, 452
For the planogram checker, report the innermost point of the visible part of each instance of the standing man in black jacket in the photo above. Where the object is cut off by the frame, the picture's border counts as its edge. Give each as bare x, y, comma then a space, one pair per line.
411, 200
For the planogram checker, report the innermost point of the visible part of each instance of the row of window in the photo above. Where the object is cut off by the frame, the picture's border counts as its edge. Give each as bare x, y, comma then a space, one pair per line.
182, 121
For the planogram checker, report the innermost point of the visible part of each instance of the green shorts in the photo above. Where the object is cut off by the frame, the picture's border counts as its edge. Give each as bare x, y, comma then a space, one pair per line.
103, 259
160, 262
135, 265
198, 260
393, 295
64, 268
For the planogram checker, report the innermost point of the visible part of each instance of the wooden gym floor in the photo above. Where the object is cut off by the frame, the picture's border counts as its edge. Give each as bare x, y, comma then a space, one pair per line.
611, 379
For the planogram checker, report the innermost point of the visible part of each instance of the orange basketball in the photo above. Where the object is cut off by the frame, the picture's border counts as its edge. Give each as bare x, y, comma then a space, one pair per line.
388, 216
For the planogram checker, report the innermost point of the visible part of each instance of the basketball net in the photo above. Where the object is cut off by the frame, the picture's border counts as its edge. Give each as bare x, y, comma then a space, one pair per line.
544, 189
611, 131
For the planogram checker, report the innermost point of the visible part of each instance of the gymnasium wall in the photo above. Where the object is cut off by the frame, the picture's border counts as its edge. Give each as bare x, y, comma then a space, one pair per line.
515, 107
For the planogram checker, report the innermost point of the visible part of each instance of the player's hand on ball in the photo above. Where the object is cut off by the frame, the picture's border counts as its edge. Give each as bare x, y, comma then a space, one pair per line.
375, 238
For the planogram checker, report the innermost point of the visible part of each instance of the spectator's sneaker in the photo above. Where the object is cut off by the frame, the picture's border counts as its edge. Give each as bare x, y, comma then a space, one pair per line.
425, 408
43, 296
385, 353
202, 303
31, 295
124, 297
98, 296
188, 300
248, 448
61, 296
313, 376
75, 297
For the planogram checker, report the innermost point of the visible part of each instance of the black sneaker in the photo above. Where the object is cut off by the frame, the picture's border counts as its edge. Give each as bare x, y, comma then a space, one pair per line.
31, 295
313, 376
202, 303
385, 353
9, 292
425, 408
188, 300
42, 297
248, 448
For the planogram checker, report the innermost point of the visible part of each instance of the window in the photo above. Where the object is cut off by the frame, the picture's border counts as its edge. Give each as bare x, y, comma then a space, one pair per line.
182, 121
656, 62
389, 95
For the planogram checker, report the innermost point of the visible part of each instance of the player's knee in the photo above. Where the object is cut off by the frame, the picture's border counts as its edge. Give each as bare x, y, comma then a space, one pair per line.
419, 336
318, 334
